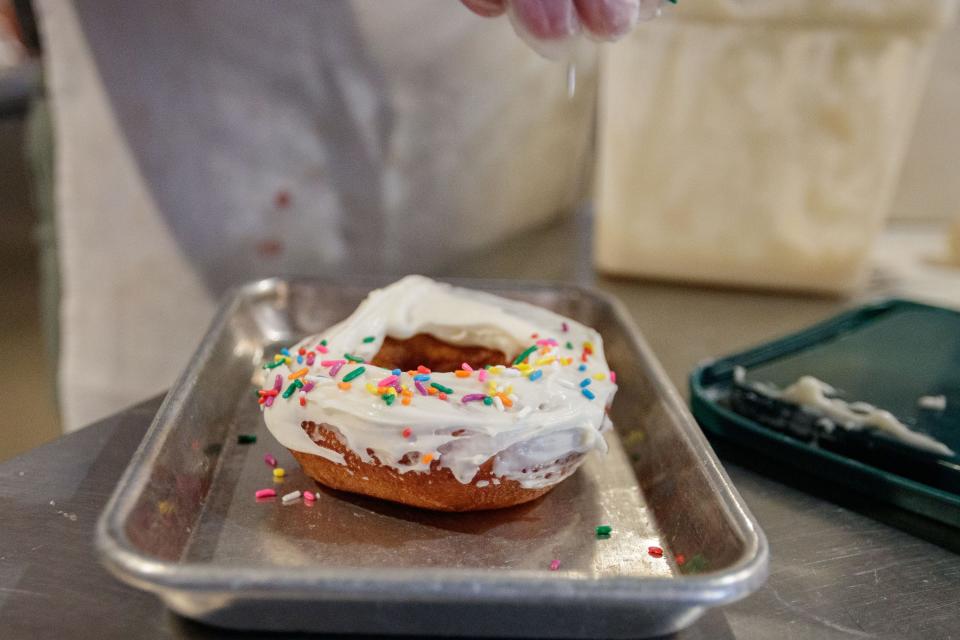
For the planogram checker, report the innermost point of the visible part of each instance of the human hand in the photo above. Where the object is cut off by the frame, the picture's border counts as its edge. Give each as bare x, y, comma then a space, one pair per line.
556, 20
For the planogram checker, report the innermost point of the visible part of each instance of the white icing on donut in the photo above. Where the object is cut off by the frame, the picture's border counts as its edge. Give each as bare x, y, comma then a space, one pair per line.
550, 416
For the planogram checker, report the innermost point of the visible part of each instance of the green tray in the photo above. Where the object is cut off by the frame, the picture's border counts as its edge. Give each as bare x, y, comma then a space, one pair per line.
887, 353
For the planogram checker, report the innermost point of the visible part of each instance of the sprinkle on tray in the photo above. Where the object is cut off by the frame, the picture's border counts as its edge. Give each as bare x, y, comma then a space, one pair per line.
554, 565
696, 564
309, 496
604, 531
655, 552
354, 374
291, 497
265, 493
279, 472
270, 460
246, 438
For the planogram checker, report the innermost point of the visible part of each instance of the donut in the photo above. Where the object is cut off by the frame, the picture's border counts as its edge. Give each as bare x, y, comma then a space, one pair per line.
441, 397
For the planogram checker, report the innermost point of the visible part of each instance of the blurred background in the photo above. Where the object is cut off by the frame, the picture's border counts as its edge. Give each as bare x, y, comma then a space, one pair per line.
153, 154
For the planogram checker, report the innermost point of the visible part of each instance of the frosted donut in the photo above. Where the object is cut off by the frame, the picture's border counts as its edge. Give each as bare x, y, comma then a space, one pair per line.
442, 397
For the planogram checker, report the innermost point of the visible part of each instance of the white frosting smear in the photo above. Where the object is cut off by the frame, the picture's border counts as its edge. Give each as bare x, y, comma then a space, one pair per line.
526, 418
813, 393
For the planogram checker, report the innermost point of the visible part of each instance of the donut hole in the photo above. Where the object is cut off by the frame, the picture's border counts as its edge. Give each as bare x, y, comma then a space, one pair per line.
435, 354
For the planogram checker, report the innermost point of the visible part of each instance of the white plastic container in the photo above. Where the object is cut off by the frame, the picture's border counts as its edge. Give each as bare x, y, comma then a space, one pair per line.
758, 143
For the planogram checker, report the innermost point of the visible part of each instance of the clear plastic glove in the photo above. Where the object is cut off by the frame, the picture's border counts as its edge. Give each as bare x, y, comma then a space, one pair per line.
547, 24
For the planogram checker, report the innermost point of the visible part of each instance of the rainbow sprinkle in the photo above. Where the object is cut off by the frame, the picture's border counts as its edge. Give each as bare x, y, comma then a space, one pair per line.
439, 387
388, 381
525, 354
354, 374
294, 386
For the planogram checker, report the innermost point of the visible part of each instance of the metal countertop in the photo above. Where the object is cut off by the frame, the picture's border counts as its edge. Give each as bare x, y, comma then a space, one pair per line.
841, 566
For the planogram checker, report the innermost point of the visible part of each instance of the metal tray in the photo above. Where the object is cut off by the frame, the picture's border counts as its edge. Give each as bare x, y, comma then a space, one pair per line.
183, 522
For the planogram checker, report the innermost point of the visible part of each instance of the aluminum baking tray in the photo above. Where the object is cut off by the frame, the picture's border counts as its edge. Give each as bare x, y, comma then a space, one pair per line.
183, 522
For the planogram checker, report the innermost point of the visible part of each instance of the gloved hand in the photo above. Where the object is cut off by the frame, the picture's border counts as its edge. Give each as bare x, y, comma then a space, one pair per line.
557, 20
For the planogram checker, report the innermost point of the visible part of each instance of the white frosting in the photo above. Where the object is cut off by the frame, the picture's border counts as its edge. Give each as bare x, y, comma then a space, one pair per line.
549, 418
813, 393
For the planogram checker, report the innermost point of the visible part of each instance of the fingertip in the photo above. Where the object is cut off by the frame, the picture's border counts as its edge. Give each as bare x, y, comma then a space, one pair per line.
608, 19
486, 8
546, 19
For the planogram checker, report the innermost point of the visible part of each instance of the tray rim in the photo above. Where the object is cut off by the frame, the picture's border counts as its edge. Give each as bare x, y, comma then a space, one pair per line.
707, 411
129, 564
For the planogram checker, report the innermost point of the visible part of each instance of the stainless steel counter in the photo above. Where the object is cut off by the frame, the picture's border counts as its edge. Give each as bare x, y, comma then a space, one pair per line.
840, 567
